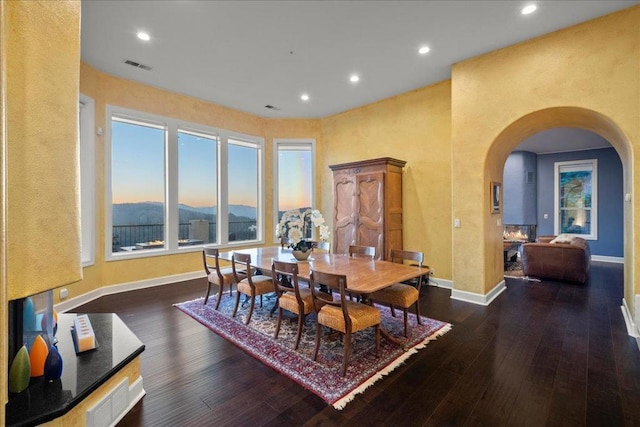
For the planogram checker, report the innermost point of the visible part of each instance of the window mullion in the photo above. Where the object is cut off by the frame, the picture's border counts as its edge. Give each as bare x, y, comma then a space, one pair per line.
172, 224
223, 190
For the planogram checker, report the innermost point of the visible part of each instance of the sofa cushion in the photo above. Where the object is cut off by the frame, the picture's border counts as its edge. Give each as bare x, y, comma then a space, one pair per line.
563, 238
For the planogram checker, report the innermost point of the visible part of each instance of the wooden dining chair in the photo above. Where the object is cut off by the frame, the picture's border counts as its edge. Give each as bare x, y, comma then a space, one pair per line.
341, 314
251, 285
400, 294
220, 277
357, 250
290, 296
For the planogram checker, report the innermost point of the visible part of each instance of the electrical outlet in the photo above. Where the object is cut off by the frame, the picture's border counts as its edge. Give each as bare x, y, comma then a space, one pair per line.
64, 293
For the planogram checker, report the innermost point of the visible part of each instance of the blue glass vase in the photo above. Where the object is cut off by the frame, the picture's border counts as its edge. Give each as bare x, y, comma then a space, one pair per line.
53, 364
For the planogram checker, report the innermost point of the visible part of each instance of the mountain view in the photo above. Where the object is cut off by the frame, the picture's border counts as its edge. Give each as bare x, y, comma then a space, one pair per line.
153, 213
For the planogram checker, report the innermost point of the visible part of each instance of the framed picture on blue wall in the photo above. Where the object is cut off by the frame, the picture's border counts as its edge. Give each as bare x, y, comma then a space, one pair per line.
575, 198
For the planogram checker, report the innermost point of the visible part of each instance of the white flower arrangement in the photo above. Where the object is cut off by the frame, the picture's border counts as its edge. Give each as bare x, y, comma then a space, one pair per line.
293, 226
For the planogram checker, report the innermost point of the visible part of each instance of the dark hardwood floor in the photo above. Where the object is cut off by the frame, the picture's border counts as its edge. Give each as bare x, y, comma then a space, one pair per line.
542, 353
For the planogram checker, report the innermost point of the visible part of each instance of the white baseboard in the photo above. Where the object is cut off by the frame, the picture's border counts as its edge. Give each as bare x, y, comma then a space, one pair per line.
612, 259
440, 283
632, 329
72, 303
480, 299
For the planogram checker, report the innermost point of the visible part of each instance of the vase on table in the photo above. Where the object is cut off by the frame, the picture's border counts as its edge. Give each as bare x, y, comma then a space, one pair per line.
301, 255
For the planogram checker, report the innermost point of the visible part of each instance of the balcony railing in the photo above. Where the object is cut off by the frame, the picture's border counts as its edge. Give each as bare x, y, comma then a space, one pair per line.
126, 237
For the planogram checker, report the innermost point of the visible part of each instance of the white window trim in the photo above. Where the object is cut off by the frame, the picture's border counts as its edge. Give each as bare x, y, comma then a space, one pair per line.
593, 163
171, 187
282, 142
87, 180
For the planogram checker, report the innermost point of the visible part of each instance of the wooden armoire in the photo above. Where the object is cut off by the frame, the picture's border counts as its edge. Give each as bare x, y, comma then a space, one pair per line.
367, 205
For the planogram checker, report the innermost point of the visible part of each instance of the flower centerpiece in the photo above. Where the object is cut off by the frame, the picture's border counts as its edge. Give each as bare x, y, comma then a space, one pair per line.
294, 226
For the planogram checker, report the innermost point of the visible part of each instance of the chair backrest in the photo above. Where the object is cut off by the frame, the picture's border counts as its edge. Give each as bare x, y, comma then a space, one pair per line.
285, 271
323, 246
334, 282
211, 261
416, 258
357, 250
241, 264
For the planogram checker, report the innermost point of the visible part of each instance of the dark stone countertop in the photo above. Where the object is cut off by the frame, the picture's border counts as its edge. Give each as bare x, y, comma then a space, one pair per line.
82, 374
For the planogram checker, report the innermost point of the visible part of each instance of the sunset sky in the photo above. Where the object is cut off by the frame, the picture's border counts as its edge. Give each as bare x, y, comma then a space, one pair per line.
138, 157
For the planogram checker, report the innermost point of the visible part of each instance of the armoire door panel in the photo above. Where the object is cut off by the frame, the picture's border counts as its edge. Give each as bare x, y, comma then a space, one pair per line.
371, 237
371, 196
344, 220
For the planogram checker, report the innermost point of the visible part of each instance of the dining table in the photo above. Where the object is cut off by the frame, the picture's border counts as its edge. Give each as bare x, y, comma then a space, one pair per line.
364, 274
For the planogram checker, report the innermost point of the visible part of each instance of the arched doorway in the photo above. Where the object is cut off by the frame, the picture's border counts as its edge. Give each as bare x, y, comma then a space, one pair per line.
582, 118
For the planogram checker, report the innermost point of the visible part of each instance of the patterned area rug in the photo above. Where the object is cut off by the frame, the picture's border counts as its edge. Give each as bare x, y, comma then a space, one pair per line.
323, 376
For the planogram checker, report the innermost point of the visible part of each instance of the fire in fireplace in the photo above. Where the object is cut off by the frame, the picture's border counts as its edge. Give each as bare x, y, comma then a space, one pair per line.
519, 233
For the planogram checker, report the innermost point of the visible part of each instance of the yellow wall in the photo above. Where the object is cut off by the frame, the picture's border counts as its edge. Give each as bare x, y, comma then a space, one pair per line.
587, 76
4, 370
109, 90
42, 66
415, 127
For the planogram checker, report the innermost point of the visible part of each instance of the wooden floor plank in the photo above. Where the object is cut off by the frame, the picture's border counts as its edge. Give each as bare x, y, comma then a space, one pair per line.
542, 353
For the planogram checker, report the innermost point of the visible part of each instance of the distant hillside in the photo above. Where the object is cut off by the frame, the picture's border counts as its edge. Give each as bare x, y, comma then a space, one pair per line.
153, 213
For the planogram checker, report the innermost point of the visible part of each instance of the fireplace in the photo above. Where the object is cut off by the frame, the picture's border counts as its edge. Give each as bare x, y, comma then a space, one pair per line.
27, 318
519, 233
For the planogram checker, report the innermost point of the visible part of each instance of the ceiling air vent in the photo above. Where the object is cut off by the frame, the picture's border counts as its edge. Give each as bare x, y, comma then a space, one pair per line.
137, 64
271, 107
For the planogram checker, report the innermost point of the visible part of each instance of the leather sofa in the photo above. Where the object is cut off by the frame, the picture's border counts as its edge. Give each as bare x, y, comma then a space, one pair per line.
567, 259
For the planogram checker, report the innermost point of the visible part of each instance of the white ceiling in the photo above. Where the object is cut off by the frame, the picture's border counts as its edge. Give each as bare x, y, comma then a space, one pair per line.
558, 140
247, 54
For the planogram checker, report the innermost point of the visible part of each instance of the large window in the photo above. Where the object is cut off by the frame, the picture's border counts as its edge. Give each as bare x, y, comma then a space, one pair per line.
197, 187
137, 184
244, 189
576, 198
295, 168
168, 187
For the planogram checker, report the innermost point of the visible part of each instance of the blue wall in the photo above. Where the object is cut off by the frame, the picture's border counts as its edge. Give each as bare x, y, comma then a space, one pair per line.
520, 189
610, 197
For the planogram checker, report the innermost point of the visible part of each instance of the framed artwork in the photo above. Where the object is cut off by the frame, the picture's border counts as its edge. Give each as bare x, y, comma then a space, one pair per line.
495, 197
576, 184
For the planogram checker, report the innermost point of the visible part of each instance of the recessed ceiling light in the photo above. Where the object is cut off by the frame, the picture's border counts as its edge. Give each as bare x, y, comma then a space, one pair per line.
304, 97
354, 78
143, 36
423, 50
529, 9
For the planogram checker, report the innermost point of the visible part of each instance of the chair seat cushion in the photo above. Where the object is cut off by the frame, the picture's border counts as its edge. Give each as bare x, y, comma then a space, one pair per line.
362, 316
227, 276
288, 301
400, 295
263, 285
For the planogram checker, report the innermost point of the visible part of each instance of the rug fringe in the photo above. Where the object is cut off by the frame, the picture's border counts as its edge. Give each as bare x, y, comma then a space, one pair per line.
342, 402
187, 302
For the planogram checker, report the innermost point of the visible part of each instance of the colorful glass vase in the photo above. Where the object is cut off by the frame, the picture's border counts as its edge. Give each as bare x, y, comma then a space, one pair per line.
53, 365
20, 371
37, 356
28, 315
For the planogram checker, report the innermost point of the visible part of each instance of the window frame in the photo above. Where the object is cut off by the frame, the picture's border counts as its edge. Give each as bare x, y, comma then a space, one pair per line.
87, 144
577, 165
291, 142
172, 127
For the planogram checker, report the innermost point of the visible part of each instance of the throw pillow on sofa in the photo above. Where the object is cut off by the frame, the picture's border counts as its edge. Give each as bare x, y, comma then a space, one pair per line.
563, 238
